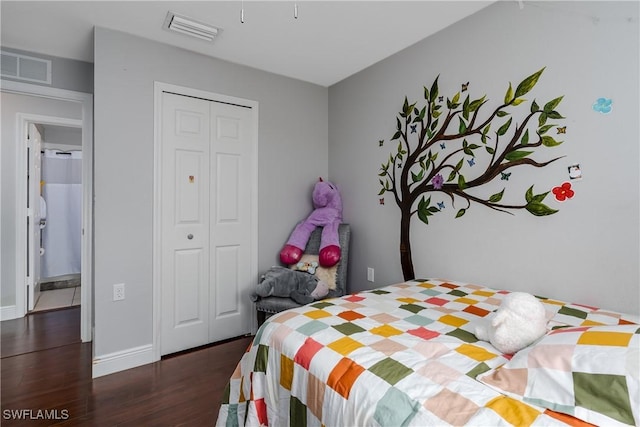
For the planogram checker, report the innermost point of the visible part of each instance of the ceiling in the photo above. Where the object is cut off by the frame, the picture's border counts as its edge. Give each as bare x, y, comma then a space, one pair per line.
329, 41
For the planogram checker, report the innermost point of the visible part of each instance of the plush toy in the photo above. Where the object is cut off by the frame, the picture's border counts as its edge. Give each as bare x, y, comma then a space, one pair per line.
327, 213
307, 267
303, 288
519, 321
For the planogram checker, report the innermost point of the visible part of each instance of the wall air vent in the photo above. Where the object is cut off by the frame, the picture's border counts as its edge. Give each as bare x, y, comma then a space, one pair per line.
26, 68
190, 27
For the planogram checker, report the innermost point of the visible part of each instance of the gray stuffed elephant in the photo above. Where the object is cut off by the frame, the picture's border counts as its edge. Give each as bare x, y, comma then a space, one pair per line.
303, 288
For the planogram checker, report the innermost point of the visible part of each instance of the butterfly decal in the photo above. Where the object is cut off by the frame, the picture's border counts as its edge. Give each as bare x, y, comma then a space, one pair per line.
440, 205
442, 145
465, 86
440, 98
399, 165
382, 201
505, 176
562, 129
381, 143
471, 161
413, 128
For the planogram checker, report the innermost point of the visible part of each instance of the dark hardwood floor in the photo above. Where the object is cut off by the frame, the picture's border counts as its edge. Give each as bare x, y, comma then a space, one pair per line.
45, 367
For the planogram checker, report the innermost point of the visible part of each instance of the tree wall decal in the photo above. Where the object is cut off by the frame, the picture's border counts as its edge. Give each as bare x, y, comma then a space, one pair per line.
436, 141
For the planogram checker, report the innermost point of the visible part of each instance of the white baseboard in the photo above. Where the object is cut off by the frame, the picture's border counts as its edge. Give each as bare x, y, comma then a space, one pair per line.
9, 312
121, 360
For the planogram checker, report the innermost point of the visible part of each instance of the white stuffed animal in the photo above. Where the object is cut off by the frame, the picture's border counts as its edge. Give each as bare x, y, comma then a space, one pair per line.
519, 321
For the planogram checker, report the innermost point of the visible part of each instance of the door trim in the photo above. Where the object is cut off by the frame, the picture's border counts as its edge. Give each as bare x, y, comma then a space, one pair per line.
86, 102
252, 264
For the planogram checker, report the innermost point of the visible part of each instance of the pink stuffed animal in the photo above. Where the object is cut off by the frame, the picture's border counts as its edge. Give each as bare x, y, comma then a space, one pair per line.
327, 214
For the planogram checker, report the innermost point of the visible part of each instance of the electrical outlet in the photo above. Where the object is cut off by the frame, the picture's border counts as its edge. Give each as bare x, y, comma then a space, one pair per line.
118, 292
370, 274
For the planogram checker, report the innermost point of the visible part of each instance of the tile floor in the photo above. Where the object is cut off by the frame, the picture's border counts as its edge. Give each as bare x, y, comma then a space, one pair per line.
58, 298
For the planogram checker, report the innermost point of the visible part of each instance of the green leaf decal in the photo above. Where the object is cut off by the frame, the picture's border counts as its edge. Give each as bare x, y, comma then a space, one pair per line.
528, 196
544, 129
534, 106
463, 126
540, 209
518, 101
434, 90
503, 129
525, 137
452, 176
554, 115
462, 184
542, 119
509, 95
460, 213
517, 155
548, 141
551, 105
495, 198
381, 192
527, 84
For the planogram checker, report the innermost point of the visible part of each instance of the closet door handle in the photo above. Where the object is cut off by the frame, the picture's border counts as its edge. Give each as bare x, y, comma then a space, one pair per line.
189, 236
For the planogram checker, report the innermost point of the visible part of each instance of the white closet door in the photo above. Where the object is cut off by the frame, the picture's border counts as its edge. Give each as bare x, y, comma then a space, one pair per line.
206, 209
185, 222
231, 191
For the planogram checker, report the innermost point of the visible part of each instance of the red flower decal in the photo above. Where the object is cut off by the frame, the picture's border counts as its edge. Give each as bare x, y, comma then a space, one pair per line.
563, 192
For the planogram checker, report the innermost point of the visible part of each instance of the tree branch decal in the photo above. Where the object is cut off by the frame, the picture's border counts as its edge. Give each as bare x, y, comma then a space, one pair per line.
441, 140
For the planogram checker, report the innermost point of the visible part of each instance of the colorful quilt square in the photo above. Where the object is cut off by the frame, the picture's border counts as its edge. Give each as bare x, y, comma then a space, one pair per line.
475, 352
620, 339
414, 308
514, 412
387, 346
348, 328
343, 375
390, 370
419, 320
395, 409
452, 408
384, 318
617, 406
386, 331
453, 320
436, 301
350, 315
424, 333
317, 314
345, 345
475, 310
312, 327
306, 352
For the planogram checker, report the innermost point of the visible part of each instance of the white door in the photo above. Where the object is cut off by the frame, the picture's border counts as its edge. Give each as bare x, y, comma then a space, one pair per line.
34, 174
231, 156
205, 210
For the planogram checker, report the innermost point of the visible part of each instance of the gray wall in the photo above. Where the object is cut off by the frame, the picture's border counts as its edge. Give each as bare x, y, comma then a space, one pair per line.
293, 152
588, 252
12, 104
65, 74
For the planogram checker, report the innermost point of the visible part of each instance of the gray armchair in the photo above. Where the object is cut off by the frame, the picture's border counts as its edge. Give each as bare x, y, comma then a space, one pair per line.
271, 305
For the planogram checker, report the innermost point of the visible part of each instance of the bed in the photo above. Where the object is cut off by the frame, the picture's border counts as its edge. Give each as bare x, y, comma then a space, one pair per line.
406, 355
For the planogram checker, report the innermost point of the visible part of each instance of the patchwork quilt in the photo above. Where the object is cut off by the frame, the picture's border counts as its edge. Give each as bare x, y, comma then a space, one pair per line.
401, 355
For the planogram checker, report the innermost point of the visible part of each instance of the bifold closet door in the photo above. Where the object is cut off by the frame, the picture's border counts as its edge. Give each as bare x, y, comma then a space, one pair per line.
206, 195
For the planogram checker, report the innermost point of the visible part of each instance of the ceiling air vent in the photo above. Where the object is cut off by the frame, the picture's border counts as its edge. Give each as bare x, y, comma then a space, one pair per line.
190, 27
26, 68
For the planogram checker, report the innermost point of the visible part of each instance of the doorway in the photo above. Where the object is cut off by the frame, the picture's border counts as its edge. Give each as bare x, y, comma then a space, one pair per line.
56, 277
85, 103
205, 217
